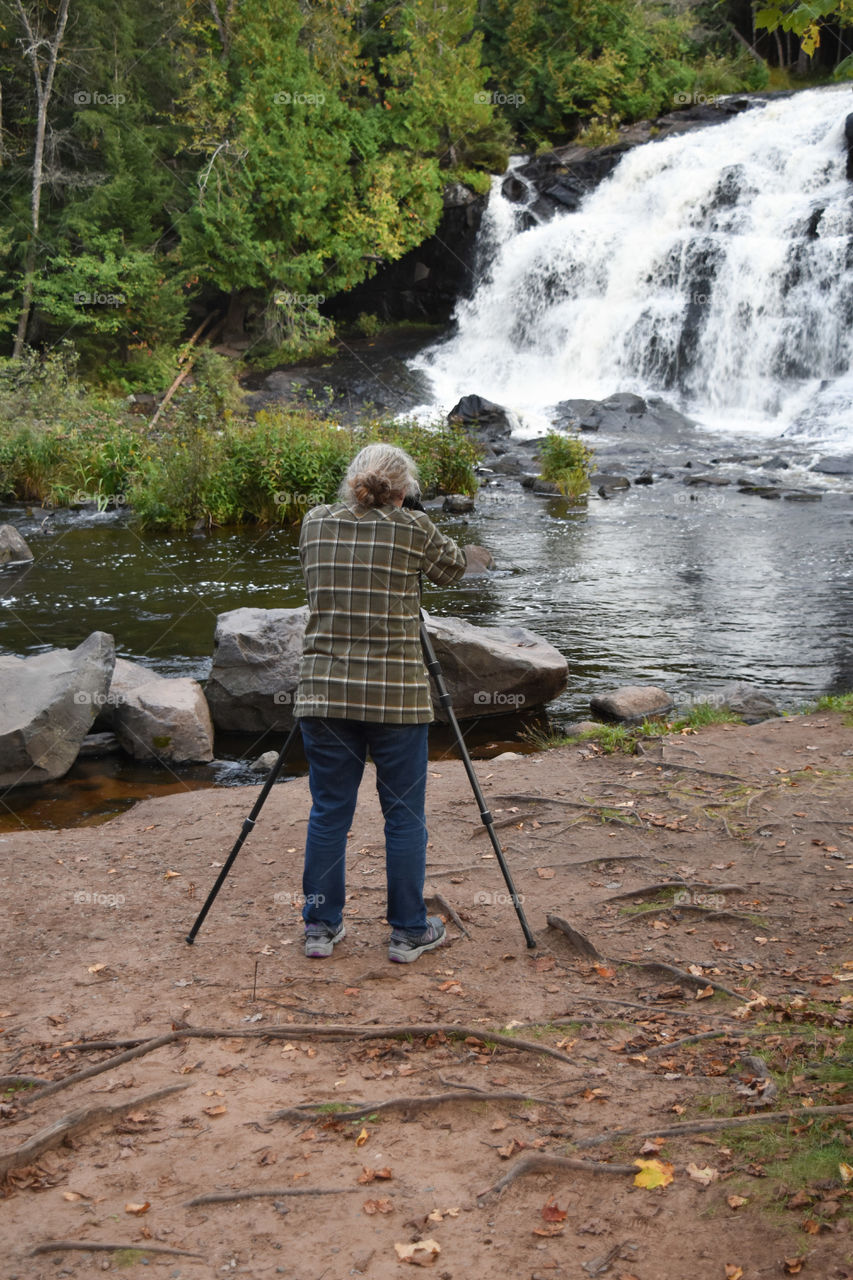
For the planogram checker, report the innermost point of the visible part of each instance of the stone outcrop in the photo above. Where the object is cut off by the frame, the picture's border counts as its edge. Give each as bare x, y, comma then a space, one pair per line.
13, 548
488, 670
255, 668
158, 717
493, 671
749, 703
47, 705
632, 704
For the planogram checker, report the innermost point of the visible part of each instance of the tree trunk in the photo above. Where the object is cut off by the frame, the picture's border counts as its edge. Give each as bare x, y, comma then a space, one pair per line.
44, 89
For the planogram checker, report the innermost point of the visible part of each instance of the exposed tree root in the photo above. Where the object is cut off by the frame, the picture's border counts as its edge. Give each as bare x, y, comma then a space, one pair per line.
425, 1101
90, 1246
257, 1193
73, 1124
147, 1046
722, 1122
543, 1163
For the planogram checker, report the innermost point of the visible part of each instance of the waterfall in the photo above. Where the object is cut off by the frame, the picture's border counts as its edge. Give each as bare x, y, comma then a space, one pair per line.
713, 268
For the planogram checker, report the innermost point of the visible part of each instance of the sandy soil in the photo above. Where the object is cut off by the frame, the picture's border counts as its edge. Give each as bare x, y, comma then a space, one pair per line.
752, 827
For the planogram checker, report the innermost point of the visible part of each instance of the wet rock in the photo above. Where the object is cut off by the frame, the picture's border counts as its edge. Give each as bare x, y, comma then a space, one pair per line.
803, 495
834, 466
13, 548
631, 704
508, 464
776, 463
544, 488
458, 504
96, 745
568, 414
255, 668
759, 490
47, 705
487, 670
645, 478
493, 671
165, 719
264, 763
707, 480
748, 702
609, 480
478, 560
476, 411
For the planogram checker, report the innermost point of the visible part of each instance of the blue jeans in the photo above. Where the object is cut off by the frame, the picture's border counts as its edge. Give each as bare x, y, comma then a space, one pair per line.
336, 751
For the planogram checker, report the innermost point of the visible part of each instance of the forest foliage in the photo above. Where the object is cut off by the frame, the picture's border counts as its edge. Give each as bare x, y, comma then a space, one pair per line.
163, 159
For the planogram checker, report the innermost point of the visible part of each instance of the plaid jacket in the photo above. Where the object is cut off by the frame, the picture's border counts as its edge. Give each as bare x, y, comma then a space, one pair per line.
362, 657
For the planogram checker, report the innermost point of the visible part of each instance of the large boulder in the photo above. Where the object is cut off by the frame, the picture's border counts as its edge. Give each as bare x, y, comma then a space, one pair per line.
475, 411
488, 670
13, 548
491, 671
632, 703
255, 668
47, 705
746, 701
165, 719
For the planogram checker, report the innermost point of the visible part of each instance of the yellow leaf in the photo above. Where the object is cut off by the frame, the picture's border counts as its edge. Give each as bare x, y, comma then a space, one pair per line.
137, 1208
170, 875
846, 1171
422, 1254
95, 968
362, 1138
704, 993
705, 1174
654, 1173
215, 1111
733, 1272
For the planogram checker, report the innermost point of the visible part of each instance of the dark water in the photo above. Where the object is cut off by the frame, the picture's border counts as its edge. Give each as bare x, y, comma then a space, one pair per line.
687, 588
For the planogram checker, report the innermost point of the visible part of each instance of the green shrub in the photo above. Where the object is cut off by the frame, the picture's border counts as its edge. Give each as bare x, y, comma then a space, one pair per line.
566, 461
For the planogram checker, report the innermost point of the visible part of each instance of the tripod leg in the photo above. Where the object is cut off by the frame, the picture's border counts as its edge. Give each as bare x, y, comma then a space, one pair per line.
246, 828
435, 671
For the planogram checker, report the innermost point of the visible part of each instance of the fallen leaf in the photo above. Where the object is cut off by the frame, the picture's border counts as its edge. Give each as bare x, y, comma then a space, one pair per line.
95, 968
170, 875
793, 1266
733, 1272
421, 1254
846, 1171
374, 1175
604, 971
73, 1195
215, 1111
651, 1146
545, 873
735, 1202
138, 1208
551, 1212
552, 1229
704, 993
654, 1173
362, 1138
383, 1205
706, 1175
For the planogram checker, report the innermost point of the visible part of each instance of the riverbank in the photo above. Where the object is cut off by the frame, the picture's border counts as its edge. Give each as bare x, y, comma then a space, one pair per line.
714, 863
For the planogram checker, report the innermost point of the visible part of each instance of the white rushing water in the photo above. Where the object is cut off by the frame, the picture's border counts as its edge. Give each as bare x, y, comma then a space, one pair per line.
714, 269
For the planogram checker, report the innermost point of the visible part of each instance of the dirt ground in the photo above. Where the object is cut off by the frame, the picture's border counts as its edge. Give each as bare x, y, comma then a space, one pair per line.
747, 945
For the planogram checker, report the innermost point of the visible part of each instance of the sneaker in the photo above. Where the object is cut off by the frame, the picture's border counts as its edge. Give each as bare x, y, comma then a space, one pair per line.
321, 938
406, 947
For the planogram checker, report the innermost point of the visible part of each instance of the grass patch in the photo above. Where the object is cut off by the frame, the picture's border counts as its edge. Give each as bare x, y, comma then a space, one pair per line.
612, 738
842, 703
204, 462
566, 462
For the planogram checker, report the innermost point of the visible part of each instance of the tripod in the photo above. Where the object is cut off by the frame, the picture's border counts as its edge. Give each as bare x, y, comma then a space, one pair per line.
436, 673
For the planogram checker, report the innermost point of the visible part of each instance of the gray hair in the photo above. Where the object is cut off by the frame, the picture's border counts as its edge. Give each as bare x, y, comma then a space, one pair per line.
379, 474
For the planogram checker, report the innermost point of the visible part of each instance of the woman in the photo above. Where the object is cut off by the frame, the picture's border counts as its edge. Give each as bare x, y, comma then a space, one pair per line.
363, 686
